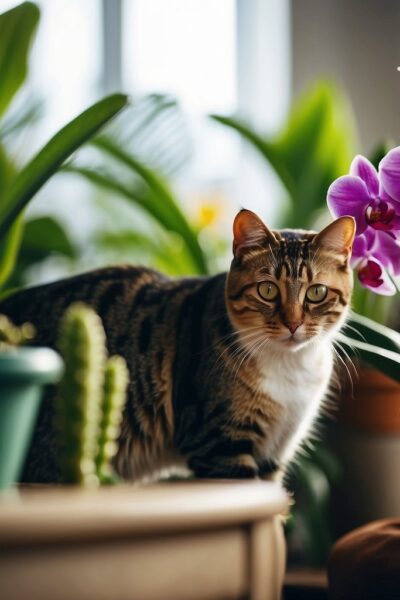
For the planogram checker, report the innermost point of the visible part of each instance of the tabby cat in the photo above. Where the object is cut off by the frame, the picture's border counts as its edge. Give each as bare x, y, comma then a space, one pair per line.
226, 372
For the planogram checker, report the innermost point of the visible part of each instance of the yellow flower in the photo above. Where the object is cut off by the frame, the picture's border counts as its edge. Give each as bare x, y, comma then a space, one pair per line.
208, 214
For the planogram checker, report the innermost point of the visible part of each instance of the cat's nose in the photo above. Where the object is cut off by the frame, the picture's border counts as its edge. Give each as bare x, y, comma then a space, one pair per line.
293, 326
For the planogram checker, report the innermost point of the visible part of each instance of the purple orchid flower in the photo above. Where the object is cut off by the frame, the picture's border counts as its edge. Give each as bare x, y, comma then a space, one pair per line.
374, 201
371, 255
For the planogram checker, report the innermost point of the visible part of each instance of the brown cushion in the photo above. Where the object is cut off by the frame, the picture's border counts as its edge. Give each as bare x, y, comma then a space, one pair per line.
365, 563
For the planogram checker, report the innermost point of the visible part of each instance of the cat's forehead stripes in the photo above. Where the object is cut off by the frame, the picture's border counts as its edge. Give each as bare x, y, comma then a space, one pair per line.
293, 259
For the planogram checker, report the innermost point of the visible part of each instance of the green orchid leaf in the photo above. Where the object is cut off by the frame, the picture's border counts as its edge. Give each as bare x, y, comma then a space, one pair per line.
386, 361
163, 204
17, 29
374, 333
33, 176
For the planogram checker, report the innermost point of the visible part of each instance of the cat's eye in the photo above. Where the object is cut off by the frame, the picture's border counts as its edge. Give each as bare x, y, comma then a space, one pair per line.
317, 293
268, 290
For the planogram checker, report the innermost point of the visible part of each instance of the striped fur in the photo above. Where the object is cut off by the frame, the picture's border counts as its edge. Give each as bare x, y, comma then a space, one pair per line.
217, 384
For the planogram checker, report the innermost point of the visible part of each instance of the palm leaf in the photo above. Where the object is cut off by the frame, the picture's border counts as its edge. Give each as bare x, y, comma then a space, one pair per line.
32, 177
150, 203
163, 203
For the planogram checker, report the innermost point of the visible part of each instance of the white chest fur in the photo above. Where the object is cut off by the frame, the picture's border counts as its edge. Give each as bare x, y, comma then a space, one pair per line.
297, 382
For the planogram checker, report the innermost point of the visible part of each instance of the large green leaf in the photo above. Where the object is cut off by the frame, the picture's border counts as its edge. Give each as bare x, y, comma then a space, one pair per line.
316, 146
313, 149
7, 169
9, 248
32, 177
17, 27
148, 201
42, 237
154, 130
16, 120
9, 243
155, 250
164, 205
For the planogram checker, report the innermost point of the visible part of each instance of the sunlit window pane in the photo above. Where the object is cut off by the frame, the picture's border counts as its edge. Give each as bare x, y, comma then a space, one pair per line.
185, 48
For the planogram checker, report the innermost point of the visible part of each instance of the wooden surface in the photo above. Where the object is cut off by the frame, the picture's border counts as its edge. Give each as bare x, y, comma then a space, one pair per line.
192, 540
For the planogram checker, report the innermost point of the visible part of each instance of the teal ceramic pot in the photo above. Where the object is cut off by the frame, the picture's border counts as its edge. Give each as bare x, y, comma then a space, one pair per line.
23, 373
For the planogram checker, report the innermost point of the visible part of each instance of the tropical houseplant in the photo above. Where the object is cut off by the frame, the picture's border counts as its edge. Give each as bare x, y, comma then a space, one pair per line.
18, 184
23, 371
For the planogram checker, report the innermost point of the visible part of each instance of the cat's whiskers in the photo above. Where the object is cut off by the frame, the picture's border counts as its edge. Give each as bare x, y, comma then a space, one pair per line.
256, 348
247, 353
348, 326
240, 343
353, 367
345, 366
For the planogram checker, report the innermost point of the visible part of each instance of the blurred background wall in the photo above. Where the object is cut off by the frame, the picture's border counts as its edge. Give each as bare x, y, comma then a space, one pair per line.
358, 44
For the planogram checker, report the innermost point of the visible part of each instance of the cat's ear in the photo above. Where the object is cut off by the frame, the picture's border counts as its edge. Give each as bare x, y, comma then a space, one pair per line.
249, 232
338, 236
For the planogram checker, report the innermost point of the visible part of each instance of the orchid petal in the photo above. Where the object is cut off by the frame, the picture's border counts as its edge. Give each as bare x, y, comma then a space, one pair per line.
386, 249
389, 171
374, 277
361, 167
348, 195
359, 249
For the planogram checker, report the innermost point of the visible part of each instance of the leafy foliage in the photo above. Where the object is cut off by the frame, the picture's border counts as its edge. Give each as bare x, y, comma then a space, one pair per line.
314, 147
32, 177
18, 186
134, 163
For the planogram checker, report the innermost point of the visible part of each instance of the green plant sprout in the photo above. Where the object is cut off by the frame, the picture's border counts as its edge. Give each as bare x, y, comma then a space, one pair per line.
91, 397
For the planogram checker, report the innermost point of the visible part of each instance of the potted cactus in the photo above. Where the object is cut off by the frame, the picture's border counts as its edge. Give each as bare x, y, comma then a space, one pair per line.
91, 397
23, 373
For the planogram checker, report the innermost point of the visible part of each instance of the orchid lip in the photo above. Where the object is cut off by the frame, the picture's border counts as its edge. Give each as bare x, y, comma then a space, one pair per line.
380, 215
370, 274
